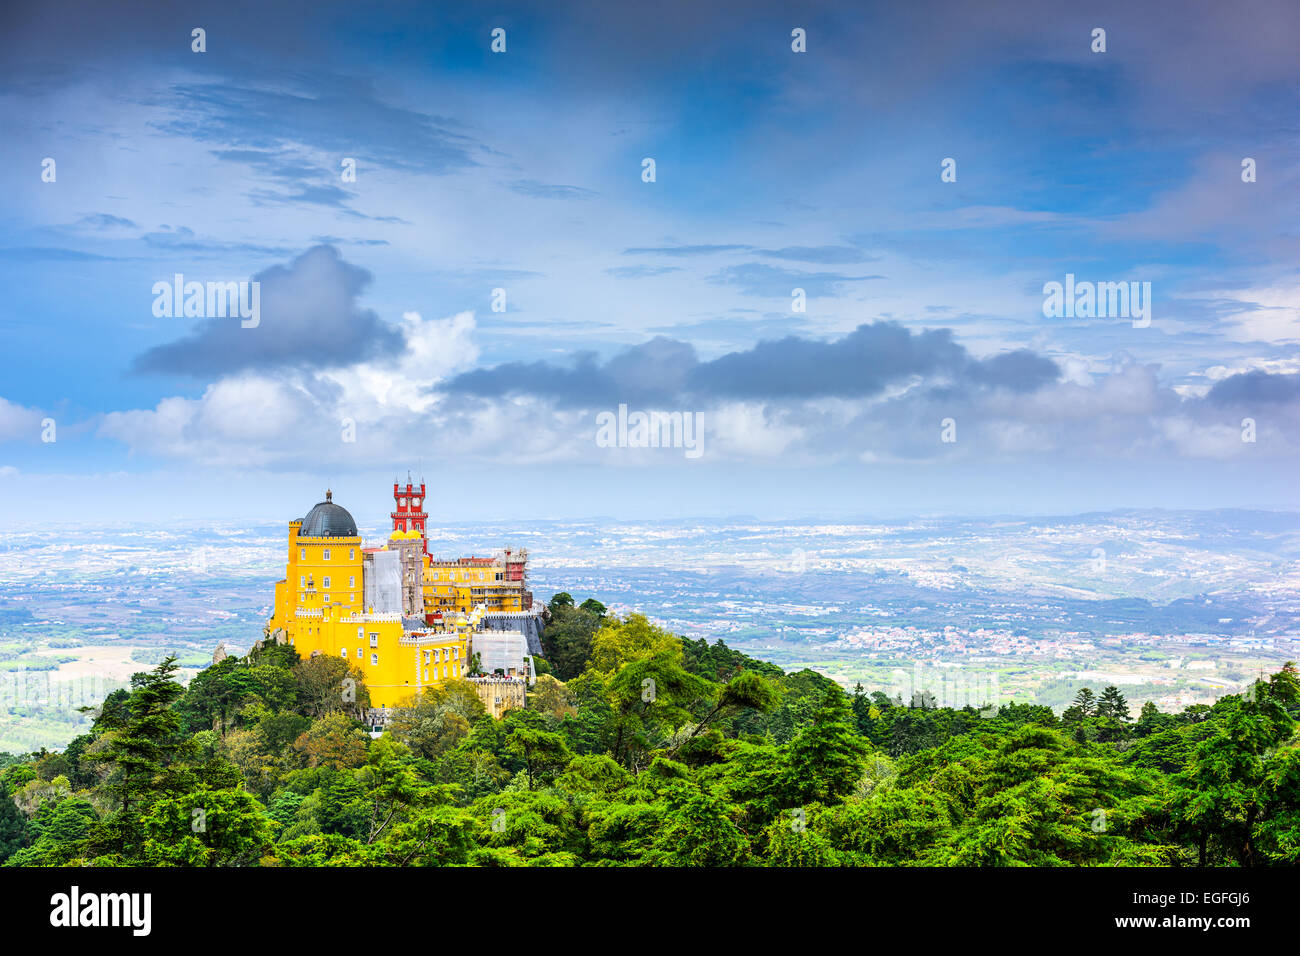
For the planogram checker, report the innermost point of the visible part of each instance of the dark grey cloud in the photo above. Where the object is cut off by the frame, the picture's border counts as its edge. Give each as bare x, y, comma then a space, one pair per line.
1255, 388
757, 278
1020, 371
538, 190
310, 318
861, 364
654, 372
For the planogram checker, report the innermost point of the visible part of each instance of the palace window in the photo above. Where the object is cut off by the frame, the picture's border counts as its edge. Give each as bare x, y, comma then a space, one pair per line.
426, 673
326, 554
352, 580
325, 582
455, 653
343, 652
374, 660
358, 653
352, 554
361, 632
302, 580
374, 639
302, 554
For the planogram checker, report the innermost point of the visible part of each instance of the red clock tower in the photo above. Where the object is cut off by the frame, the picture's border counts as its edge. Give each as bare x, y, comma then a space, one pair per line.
408, 509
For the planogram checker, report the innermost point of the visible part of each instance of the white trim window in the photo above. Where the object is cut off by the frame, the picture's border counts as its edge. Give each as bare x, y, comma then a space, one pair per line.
374, 660
326, 554
374, 639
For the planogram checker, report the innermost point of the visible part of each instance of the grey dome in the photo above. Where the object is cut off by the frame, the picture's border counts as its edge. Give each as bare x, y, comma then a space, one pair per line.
328, 520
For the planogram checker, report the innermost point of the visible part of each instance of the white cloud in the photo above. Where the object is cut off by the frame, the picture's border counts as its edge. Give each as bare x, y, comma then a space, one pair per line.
17, 421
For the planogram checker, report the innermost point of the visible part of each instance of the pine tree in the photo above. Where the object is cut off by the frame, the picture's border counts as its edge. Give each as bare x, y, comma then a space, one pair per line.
1113, 705
1086, 701
142, 744
1150, 720
827, 757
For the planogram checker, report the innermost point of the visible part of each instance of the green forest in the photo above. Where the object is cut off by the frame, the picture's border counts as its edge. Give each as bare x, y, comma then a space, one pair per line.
639, 748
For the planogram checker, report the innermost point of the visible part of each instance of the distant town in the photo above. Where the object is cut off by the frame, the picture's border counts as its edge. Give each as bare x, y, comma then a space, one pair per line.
1181, 610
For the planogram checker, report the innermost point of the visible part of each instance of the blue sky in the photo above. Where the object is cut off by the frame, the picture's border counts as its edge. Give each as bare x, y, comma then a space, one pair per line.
522, 171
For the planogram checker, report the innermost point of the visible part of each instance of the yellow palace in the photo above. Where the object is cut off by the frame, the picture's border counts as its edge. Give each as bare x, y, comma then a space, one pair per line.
404, 618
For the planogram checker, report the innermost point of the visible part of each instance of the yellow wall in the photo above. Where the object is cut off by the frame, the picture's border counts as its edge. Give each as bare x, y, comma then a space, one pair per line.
325, 571
330, 620
449, 587
396, 666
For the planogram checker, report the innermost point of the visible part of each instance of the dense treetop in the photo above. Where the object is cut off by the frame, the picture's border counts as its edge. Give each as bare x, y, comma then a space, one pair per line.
640, 748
